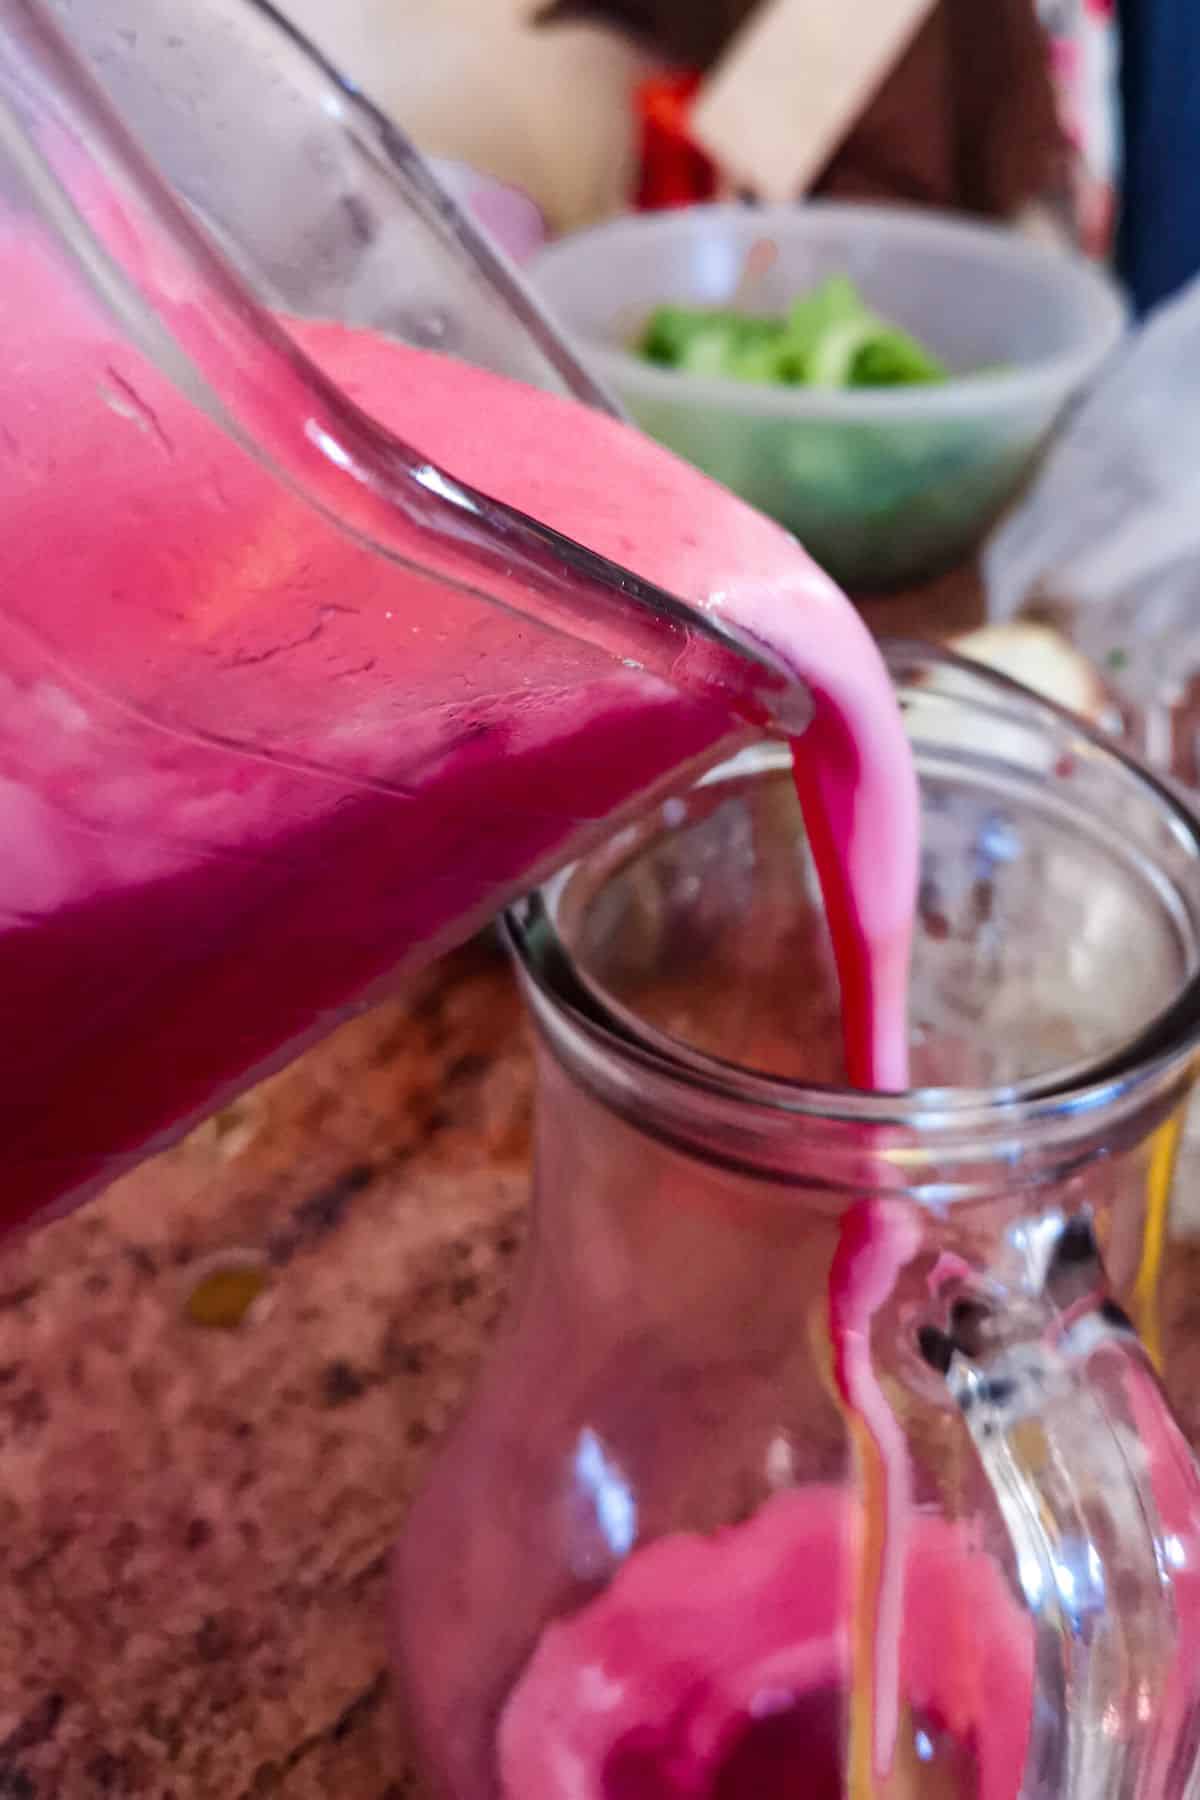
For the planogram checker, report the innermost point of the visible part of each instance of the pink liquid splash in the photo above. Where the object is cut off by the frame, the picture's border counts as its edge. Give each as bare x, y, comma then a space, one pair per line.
714, 1669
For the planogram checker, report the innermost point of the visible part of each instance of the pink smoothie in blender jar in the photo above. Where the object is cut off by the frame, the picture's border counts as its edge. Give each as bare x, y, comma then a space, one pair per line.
248, 765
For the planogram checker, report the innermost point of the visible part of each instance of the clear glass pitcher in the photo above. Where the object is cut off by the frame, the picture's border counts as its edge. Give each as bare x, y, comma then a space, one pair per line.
660, 1557
283, 697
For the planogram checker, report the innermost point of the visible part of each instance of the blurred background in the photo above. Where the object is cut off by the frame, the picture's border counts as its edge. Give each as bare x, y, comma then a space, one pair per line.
1008, 185
1014, 109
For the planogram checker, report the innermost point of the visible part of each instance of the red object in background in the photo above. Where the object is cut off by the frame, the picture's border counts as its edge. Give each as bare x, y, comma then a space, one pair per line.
673, 170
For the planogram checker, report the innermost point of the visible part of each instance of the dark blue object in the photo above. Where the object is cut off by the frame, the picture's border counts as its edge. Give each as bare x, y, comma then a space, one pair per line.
1158, 246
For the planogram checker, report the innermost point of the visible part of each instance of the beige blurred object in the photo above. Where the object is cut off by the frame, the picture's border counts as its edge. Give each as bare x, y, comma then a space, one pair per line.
1035, 655
547, 108
1042, 658
793, 81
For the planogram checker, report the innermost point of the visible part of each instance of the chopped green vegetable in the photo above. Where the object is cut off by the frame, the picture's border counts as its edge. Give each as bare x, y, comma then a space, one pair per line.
895, 360
671, 329
823, 313
830, 338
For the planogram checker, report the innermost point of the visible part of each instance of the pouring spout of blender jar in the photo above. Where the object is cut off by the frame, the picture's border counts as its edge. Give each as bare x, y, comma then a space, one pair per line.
233, 359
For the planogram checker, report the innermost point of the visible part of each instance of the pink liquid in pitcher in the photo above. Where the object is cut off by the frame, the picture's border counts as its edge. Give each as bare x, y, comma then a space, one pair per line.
715, 1669
248, 767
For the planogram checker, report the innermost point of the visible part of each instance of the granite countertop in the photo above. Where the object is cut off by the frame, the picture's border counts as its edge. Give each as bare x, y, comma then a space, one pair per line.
195, 1518
195, 1521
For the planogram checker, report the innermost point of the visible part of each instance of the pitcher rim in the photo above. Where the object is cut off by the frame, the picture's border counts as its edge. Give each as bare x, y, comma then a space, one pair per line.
1128, 1071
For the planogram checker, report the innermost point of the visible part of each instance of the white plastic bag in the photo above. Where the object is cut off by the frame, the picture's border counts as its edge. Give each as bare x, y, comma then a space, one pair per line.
1110, 532
1110, 536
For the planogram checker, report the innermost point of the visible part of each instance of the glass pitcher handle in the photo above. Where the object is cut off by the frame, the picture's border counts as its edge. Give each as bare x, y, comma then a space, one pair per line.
1100, 1495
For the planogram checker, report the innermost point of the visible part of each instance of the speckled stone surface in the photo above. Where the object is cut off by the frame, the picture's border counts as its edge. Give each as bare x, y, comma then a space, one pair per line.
194, 1523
